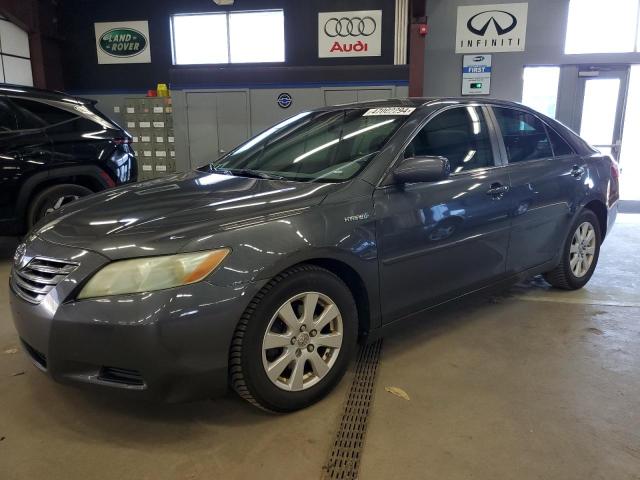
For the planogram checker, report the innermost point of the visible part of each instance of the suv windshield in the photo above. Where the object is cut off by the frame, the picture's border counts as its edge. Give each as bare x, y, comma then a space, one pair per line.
329, 146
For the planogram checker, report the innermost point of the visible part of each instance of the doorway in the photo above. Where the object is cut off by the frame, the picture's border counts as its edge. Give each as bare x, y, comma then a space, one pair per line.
607, 115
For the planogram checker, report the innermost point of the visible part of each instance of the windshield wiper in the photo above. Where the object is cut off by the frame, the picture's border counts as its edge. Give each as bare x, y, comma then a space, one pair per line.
247, 172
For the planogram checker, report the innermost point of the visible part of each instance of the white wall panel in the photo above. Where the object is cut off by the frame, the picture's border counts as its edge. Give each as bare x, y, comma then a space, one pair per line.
13, 39
17, 70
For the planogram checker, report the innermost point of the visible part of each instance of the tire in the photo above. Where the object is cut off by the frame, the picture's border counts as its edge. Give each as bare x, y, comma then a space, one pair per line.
250, 356
565, 276
52, 198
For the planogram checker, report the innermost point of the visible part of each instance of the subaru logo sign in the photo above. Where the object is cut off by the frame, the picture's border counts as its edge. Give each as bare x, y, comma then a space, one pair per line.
284, 100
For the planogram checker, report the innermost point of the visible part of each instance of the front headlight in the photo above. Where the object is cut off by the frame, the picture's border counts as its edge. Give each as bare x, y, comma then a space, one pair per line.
152, 273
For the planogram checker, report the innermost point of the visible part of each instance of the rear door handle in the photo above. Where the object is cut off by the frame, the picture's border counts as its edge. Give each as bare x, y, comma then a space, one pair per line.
498, 190
577, 171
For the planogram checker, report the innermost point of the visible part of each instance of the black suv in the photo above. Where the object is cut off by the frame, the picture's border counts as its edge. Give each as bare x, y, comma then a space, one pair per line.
55, 148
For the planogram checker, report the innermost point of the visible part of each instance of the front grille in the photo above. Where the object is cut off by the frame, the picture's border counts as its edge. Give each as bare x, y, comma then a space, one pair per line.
38, 277
122, 376
39, 358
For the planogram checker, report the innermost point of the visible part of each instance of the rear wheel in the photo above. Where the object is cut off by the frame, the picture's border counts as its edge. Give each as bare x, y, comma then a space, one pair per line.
52, 198
580, 255
294, 341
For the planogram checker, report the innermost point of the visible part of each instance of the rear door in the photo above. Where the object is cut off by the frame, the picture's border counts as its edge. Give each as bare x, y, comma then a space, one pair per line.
544, 186
24, 151
440, 239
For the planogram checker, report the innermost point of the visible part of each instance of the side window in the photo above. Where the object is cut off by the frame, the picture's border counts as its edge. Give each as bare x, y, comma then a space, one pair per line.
34, 114
559, 145
525, 137
458, 134
7, 117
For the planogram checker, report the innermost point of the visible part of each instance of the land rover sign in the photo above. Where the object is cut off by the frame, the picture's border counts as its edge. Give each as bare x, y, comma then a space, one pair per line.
123, 42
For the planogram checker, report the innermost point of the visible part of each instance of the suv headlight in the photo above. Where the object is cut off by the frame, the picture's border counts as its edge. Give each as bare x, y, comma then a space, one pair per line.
152, 273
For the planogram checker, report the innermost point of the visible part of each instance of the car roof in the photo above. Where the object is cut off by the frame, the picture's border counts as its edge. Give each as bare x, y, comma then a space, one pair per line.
424, 101
32, 92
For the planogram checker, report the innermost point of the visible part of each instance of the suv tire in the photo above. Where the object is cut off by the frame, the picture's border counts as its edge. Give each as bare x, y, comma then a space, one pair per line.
52, 198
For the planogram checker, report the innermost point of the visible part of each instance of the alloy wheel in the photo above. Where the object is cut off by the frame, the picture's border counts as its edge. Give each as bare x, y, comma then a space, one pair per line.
63, 200
582, 249
302, 341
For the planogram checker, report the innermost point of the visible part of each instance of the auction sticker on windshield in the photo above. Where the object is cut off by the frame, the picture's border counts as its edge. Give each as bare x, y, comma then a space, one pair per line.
389, 111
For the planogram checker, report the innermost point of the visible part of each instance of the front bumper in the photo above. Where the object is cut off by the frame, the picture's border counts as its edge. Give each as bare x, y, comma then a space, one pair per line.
171, 345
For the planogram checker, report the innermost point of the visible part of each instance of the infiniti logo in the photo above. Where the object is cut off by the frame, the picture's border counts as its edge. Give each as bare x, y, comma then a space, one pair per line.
350, 27
502, 21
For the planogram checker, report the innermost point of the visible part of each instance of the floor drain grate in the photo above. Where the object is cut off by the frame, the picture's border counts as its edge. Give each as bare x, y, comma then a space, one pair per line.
344, 458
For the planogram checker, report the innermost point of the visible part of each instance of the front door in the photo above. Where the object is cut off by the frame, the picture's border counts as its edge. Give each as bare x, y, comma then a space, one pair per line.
440, 239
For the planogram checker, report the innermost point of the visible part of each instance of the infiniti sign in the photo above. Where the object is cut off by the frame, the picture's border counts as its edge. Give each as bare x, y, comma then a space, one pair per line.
491, 28
503, 22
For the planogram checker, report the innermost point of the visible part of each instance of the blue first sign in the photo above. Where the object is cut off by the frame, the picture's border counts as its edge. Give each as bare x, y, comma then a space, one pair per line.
284, 100
476, 74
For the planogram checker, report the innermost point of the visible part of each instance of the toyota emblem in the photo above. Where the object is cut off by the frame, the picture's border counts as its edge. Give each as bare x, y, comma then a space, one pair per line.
350, 27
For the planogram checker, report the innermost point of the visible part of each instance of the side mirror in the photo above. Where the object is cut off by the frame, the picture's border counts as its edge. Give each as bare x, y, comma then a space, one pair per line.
422, 169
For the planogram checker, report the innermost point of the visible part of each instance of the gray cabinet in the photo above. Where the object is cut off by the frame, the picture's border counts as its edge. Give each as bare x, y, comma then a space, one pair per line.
216, 123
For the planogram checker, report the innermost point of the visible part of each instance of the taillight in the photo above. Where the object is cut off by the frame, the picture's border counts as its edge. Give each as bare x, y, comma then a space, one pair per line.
615, 170
613, 186
108, 180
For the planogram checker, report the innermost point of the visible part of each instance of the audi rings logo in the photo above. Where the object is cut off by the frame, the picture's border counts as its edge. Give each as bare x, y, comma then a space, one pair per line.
502, 21
350, 27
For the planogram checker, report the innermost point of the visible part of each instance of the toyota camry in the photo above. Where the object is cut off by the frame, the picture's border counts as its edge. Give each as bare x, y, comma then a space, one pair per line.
263, 270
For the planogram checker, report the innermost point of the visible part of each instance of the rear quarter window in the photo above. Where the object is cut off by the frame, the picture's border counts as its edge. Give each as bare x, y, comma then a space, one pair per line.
558, 144
35, 114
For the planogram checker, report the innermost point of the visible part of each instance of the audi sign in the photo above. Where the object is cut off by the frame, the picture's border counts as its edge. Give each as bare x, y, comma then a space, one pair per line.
349, 34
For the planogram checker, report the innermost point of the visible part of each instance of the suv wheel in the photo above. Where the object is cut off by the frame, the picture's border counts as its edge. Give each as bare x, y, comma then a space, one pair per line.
52, 198
580, 256
294, 341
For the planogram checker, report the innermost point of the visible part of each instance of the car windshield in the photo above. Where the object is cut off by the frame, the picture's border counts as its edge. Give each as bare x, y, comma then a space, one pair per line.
326, 146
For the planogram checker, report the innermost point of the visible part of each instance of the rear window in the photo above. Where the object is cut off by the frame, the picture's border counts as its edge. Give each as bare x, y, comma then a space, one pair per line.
524, 135
7, 117
36, 114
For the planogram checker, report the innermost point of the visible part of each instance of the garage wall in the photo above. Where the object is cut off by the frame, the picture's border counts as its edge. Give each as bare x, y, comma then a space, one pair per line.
199, 131
15, 58
83, 74
262, 112
544, 45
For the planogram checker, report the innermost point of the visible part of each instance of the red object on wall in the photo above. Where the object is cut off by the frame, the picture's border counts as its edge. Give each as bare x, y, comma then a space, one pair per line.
422, 29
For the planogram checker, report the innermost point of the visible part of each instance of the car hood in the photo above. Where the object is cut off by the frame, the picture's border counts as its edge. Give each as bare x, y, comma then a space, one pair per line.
162, 216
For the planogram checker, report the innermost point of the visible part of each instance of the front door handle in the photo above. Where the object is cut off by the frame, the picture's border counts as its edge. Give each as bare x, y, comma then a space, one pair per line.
577, 171
497, 190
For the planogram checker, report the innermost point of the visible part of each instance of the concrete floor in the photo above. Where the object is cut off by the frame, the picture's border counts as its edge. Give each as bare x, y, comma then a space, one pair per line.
531, 384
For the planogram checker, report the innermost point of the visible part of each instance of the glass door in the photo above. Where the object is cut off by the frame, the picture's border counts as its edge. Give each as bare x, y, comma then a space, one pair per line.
602, 95
629, 159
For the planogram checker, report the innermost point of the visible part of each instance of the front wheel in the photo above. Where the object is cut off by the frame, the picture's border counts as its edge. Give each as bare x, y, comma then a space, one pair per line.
294, 341
580, 255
